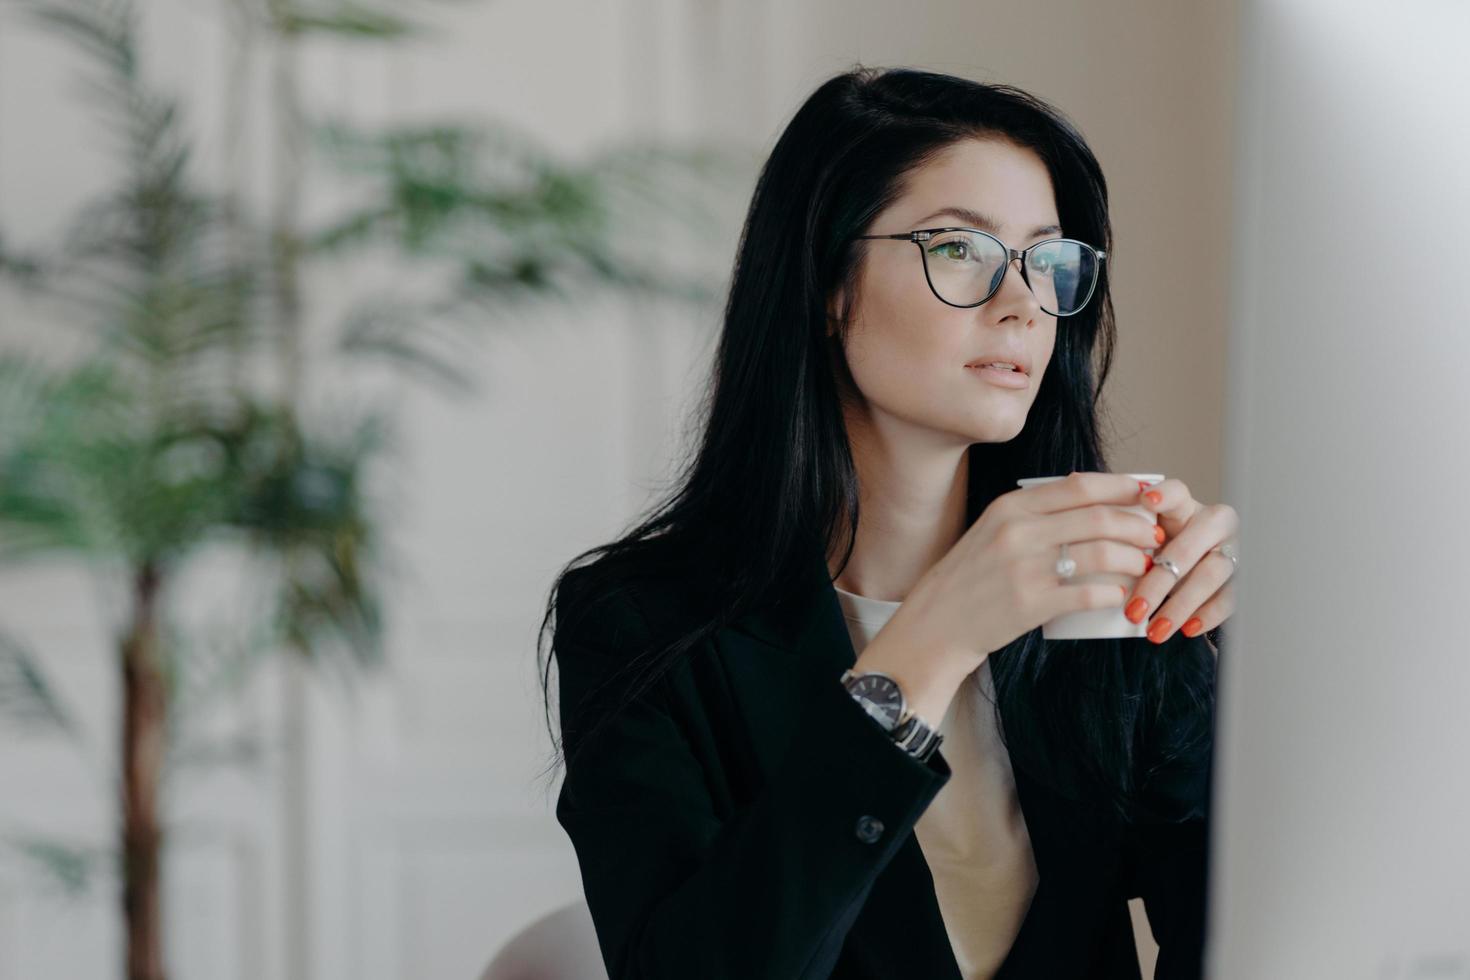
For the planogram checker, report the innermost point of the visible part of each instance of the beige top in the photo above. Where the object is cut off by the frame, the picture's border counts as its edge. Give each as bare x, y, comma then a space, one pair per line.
972, 834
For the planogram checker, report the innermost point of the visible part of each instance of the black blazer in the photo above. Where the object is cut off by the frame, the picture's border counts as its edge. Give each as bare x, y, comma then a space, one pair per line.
747, 819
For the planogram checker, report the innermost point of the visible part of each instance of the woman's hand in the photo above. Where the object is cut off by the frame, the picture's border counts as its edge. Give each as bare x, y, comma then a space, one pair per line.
1203, 593
999, 581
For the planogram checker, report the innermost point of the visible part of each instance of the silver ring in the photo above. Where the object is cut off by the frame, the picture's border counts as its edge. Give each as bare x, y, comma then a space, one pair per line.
1169, 565
1066, 567
1229, 552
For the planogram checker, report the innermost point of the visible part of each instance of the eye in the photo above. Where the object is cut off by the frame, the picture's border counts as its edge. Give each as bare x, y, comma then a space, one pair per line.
958, 250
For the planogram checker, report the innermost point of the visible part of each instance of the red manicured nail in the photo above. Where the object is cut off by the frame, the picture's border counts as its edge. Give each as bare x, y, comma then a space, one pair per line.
1148, 562
1142, 484
1193, 628
1159, 629
1136, 609
1154, 497
1158, 534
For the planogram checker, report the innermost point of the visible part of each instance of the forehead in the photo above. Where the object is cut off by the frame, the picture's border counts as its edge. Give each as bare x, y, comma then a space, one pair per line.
1001, 180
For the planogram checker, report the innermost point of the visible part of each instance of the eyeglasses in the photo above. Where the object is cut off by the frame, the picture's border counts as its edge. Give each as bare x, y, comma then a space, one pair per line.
965, 266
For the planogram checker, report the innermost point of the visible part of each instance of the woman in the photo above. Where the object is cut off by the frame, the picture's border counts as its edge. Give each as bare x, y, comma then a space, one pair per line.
739, 795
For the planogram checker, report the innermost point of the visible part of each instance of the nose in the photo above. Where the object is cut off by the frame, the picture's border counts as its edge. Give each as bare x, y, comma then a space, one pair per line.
1021, 277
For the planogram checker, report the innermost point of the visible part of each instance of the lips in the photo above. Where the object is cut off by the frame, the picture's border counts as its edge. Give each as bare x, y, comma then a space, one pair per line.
1014, 357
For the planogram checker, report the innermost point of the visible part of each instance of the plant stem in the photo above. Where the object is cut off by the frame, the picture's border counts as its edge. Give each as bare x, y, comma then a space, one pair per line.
145, 708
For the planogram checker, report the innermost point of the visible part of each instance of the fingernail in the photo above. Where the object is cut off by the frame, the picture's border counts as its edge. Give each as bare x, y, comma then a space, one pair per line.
1136, 609
1148, 562
1143, 484
1193, 628
1159, 629
1154, 497
1158, 534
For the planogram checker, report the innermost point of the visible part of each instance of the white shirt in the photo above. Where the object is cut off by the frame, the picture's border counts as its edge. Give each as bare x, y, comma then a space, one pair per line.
972, 834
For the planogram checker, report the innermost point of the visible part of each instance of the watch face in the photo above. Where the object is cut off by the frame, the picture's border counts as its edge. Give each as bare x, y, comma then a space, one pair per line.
880, 697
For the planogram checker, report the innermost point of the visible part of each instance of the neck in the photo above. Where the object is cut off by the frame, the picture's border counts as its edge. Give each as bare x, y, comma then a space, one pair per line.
912, 511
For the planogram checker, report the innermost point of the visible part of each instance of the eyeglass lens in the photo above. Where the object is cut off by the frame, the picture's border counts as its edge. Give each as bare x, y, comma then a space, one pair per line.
964, 268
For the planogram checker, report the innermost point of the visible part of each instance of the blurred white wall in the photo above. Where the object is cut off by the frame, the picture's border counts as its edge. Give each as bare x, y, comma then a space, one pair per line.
405, 835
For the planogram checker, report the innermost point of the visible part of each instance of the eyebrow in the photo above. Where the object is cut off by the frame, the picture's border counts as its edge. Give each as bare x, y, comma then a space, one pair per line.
985, 222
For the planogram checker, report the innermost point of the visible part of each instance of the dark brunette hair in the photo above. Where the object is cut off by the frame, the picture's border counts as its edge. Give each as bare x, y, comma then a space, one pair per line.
773, 469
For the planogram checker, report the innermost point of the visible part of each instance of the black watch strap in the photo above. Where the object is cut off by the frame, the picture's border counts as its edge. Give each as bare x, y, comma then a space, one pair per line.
916, 738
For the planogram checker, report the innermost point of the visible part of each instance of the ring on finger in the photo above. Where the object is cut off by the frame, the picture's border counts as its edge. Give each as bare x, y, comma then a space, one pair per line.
1066, 567
1168, 564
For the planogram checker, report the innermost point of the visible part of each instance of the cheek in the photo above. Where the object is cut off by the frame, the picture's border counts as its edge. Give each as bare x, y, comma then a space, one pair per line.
899, 341
909, 366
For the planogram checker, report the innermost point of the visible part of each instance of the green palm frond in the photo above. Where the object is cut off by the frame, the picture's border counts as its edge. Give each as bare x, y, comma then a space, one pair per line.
93, 474
520, 225
27, 697
20, 268
343, 20
102, 29
419, 339
87, 467
56, 481
153, 441
346, 20
302, 495
151, 262
75, 868
423, 181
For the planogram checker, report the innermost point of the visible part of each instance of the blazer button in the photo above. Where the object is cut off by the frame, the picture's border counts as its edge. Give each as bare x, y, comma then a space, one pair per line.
869, 829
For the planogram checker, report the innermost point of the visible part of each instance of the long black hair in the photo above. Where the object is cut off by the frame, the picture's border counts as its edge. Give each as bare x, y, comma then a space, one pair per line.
773, 466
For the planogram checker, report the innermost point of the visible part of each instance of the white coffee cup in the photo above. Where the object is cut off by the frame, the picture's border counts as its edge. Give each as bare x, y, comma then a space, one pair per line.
1089, 624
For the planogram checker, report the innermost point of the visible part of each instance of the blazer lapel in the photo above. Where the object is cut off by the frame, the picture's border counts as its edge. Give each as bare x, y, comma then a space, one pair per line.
770, 657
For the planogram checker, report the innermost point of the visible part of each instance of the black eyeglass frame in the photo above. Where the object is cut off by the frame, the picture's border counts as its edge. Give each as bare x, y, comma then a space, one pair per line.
924, 234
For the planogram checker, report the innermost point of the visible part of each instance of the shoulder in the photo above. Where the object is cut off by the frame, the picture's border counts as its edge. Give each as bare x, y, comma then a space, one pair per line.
618, 640
627, 596
596, 607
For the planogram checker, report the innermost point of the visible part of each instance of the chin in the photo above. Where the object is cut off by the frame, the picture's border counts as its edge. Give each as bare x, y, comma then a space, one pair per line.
996, 430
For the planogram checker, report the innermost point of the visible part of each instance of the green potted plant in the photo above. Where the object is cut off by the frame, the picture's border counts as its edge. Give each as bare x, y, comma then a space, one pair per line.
173, 420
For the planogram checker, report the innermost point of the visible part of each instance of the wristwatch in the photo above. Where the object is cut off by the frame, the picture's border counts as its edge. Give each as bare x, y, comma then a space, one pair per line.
883, 700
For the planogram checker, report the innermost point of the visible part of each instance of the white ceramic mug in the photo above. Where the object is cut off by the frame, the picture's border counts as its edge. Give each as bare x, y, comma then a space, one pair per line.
1089, 624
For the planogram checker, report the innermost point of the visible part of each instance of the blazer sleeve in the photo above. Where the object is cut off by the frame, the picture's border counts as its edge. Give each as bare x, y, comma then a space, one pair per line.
772, 890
